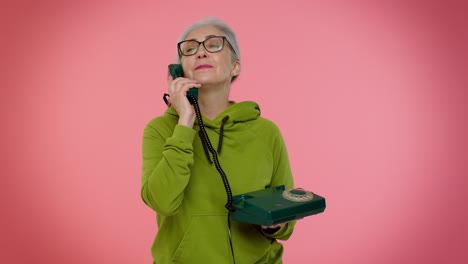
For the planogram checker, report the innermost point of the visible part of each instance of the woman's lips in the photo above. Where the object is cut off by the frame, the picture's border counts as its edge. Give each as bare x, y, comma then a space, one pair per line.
203, 66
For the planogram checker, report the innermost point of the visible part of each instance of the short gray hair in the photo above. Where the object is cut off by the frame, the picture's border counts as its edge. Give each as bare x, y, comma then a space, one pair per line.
219, 24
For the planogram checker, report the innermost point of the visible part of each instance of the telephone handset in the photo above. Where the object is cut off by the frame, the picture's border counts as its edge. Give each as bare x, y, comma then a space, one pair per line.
176, 71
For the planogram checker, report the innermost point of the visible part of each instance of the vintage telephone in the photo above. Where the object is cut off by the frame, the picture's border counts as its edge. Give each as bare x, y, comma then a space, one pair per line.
264, 207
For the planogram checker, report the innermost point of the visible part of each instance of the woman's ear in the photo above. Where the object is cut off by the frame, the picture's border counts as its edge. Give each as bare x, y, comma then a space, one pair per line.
236, 68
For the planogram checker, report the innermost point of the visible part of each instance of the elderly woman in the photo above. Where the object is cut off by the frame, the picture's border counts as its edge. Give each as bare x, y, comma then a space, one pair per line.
179, 180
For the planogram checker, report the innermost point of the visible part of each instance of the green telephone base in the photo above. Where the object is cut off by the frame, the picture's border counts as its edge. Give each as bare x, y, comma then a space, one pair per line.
276, 205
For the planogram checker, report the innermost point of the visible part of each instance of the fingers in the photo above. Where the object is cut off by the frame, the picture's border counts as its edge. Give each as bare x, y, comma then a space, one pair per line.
177, 90
180, 86
274, 226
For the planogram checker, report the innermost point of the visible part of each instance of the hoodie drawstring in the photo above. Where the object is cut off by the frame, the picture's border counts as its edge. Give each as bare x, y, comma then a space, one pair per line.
220, 141
221, 133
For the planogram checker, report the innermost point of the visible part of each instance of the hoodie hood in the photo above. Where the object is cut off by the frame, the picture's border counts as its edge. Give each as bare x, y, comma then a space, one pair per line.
236, 112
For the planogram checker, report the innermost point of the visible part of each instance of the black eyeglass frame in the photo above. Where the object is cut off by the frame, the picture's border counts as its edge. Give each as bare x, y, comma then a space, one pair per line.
203, 42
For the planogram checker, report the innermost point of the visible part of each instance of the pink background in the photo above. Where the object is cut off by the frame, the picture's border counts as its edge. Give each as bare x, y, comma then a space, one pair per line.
371, 98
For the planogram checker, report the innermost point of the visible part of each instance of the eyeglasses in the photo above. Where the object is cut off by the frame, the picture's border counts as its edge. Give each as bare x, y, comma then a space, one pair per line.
211, 44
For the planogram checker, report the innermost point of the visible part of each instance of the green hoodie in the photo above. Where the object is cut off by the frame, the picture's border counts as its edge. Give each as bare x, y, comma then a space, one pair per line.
182, 185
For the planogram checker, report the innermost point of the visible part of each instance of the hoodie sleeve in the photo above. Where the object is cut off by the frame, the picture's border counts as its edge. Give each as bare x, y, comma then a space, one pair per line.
282, 175
166, 167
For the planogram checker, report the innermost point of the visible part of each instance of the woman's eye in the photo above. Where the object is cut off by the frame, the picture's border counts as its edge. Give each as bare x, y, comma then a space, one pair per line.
190, 50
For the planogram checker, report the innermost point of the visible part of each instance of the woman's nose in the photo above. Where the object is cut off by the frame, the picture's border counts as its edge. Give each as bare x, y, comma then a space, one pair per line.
201, 52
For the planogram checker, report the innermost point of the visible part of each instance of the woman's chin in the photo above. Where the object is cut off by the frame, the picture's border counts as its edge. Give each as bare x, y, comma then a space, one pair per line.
205, 81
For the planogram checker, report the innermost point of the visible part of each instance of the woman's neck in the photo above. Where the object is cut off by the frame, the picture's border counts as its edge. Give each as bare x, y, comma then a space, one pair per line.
213, 102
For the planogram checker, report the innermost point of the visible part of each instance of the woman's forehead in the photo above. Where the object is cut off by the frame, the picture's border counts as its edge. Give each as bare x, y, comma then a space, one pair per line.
202, 33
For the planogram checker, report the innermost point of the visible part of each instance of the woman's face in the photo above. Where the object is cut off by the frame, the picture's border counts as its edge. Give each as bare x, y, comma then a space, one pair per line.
210, 68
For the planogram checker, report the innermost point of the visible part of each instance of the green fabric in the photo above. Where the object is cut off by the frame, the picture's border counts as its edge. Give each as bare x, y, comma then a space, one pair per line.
188, 195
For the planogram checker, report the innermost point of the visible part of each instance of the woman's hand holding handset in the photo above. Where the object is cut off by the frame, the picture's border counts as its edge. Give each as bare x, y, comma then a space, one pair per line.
177, 90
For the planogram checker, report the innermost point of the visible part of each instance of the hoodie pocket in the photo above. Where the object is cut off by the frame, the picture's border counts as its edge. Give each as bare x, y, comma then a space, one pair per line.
205, 241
